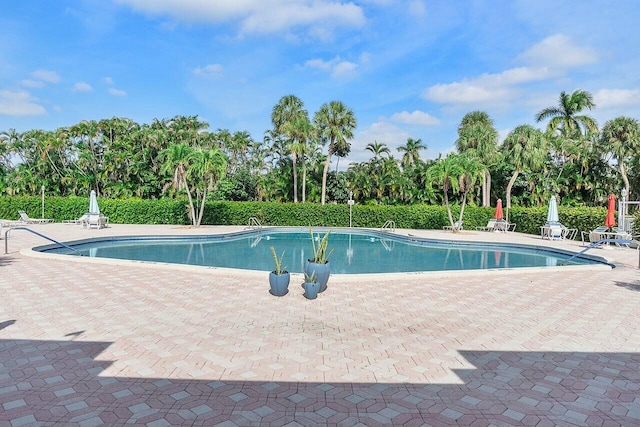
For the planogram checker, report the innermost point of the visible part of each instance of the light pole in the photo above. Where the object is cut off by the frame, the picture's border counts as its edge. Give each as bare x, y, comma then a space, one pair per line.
350, 202
42, 189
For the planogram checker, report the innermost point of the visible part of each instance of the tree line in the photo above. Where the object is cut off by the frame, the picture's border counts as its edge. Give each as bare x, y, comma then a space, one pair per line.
572, 158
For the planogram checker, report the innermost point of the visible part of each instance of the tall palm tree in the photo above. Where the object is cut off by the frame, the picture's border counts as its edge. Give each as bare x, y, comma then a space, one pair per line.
621, 136
335, 123
478, 137
177, 160
289, 109
525, 148
565, 118
300, 130
208, 168
411, 152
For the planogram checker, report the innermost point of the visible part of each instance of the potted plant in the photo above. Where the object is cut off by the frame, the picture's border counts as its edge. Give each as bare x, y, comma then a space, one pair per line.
279, 278
311, 286
319, 264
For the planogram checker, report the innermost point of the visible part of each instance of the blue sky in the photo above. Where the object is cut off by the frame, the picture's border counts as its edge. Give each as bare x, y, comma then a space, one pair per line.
406, 68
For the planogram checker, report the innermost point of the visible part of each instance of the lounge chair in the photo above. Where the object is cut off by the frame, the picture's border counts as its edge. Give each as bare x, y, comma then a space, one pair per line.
489, 227
457, 226
601, 233
25, 218
95, 221
77, 221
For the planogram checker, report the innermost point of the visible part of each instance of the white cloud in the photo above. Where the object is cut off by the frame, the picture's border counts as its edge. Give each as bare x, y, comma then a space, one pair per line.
211, 70
108, 80
607, 98
117, 92
82, 87
381, 131
336, 66
32, 83
549, 58
46, 76
256, 16
559, 51
415, 118
19, 103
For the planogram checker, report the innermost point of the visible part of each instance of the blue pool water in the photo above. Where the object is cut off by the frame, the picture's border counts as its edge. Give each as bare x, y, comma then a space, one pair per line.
353, 252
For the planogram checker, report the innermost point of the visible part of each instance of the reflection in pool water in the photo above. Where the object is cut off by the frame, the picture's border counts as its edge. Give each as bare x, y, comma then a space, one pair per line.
352, 252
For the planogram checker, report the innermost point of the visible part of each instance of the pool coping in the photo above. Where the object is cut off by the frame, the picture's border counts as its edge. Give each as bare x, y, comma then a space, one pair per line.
602, 263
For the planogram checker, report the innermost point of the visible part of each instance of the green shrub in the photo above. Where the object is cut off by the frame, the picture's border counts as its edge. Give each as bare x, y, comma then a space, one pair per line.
165, 211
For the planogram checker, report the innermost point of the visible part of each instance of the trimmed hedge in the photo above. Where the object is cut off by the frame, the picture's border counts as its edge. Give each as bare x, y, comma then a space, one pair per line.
164, 211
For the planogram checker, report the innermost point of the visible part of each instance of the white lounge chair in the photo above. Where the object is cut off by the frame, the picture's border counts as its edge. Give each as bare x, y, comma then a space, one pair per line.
489, 227
77, 221
26, 219
457, 226
95, 221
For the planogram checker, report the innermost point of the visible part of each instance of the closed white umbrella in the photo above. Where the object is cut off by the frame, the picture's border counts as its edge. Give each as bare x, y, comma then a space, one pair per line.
93, 204
552, 214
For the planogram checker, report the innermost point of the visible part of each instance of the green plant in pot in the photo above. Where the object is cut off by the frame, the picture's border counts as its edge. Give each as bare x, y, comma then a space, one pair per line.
319, 264
280, 277
311, 286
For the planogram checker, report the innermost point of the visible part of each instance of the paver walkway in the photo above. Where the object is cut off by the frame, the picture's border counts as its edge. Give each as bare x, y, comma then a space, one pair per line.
88, 344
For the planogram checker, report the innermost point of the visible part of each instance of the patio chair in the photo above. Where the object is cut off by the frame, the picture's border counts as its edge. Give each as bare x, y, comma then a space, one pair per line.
95, 221
504, 226
489, 227
77, 221
457, 226
26, 219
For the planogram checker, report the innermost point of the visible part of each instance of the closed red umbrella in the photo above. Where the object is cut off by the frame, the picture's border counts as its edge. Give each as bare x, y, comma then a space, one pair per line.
610, 220
498, 214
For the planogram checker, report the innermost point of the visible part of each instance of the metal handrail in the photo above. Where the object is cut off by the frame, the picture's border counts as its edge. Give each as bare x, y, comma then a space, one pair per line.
254, 223
6, 239
599, 242
390, 225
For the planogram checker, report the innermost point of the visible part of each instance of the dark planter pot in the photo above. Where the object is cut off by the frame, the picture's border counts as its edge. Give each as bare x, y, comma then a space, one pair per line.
279, 283
322, 271
311, 289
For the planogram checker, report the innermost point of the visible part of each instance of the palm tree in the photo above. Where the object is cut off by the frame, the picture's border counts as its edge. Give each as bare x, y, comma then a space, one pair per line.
335, 123
478, 137
411, 152
621, 136
458, 173
208, 168
525, 148
289, 109
300, 130
565, 118
378, 149
177, 160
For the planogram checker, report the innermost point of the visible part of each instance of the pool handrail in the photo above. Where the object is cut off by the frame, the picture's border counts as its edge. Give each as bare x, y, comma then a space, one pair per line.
254, 224
6, 239
390, 225
600, 242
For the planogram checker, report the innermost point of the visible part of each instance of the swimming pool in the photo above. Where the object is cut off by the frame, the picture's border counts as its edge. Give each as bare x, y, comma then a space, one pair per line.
354, 252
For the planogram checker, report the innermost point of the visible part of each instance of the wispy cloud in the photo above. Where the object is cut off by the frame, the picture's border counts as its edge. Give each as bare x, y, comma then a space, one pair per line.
108, 80
30, 83
558, 52
256, 16
610, 98
82, 87
336, 67
549, 58
117, 92
45, 76
19, 103
210, 71
417, 117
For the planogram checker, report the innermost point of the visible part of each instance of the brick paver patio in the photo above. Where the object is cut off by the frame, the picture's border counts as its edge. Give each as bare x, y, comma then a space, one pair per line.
90, 343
